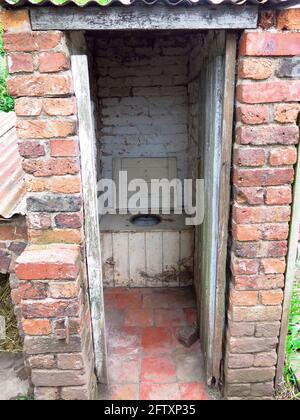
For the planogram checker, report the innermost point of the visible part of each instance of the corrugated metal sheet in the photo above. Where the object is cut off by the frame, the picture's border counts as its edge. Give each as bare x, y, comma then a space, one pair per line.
12, 187
83, 3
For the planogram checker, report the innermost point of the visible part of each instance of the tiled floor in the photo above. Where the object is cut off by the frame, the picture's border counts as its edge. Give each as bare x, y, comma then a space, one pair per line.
146, 360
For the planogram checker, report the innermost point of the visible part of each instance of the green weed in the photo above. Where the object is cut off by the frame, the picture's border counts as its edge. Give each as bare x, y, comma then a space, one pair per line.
6, 101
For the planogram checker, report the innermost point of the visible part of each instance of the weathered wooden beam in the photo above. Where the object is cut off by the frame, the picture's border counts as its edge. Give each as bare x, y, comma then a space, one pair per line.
80, 72
140, 17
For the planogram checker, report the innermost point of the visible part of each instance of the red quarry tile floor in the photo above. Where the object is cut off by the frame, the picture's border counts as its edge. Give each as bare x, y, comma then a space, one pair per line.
145, 359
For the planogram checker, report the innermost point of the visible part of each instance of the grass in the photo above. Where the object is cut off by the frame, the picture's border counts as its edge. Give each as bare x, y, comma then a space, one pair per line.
6, 101
13, 342
289, 390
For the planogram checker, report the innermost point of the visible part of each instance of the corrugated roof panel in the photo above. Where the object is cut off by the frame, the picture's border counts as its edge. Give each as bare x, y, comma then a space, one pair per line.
12, 187
83, 3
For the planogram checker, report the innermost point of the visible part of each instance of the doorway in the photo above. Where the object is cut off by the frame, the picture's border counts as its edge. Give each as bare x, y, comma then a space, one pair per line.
163, 102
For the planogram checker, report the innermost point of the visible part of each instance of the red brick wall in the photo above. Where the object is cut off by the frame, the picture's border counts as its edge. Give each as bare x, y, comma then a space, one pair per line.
268, 95
51, 271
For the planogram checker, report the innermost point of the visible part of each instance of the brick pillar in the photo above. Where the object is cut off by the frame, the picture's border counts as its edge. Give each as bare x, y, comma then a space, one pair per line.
51, 271
268, 93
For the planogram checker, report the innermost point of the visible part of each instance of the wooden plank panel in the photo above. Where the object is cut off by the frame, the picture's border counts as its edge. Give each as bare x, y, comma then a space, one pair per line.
107, 259
187, 257
154, 259
171, 255
137, 259
144, 17
121, 259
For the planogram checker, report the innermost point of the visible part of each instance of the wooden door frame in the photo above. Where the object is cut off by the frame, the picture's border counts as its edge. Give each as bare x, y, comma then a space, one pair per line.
80, 71
293, 245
